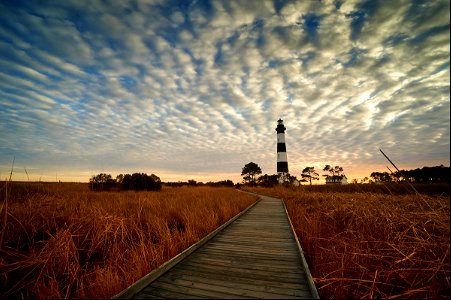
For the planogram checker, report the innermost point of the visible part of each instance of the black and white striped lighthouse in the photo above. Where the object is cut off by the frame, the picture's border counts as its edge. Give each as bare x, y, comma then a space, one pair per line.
282, 162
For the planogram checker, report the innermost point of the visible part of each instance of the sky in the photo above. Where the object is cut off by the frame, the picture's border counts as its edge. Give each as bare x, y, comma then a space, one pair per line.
194, 89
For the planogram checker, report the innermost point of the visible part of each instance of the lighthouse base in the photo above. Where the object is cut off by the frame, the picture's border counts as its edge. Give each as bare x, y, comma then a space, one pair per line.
283, 177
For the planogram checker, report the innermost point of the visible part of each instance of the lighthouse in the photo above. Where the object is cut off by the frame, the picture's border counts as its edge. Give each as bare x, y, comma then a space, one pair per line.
282, 162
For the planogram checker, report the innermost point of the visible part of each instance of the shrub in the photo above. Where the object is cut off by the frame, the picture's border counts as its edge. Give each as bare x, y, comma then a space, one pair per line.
101, 182
140, 182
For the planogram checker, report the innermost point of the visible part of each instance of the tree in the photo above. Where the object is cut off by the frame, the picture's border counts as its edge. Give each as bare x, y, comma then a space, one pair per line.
425, 174
141, 181
309, 174
338, 170
155, 178
228, 183
136, 181
268, 180
249, 171
126, 183
102, 181
328, 168
291, 179
335, 171
381, 177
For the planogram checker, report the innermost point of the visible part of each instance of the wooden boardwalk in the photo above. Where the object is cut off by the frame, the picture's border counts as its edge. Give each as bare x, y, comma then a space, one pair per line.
254, 255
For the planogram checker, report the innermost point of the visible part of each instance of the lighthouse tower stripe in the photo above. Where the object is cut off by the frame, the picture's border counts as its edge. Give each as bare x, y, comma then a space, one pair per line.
281, 147
282, 167
282, 156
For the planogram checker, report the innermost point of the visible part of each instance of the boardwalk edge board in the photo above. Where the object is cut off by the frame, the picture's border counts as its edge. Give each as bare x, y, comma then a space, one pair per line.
310, 281
142, 283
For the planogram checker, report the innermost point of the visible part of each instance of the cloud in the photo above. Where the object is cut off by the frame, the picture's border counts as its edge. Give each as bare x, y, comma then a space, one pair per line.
197, 87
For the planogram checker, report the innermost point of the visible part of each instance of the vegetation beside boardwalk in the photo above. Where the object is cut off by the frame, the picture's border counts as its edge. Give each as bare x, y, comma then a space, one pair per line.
360, 240
65, 241
387, 243
389, 188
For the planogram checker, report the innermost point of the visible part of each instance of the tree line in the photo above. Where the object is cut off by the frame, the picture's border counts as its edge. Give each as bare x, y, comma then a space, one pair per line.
192, 182
250, 172
142, 181
309, 174
135, 181
424, 175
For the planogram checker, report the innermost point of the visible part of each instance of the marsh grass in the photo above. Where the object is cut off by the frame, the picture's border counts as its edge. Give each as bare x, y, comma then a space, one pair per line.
372, 245
64, 241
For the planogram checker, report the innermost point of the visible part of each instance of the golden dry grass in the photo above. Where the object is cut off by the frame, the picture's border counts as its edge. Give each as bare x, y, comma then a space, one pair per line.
370, 245
64, 241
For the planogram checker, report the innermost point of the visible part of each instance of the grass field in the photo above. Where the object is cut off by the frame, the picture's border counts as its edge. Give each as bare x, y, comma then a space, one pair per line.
389, 244
65, 241
365, 241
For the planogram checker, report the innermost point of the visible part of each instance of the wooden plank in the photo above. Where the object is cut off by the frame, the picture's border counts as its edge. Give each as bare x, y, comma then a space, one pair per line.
197, 290
255, 248
250, 274
251, 221
261, 231
246, 242
283, 240
227, 288
261, 238
254, 264
241, 256
265, 254
248, 271
256, 233
264, 217
260, 254
231, 243
264, 282
266, 260
161, 292
144, 295
255, 285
